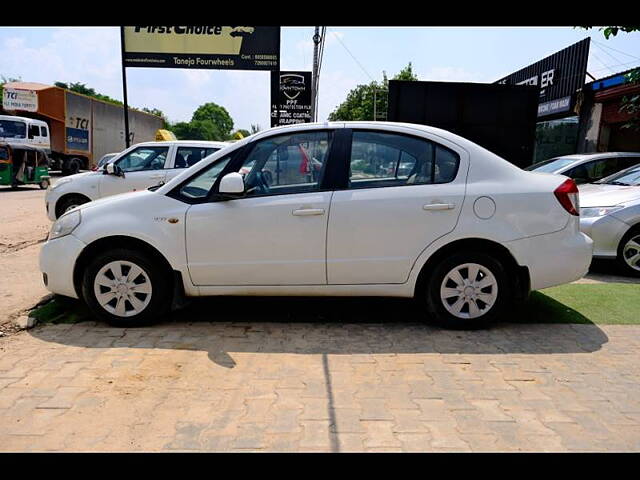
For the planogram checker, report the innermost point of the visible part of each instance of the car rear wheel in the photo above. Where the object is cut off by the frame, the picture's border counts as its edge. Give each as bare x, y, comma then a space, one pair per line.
467, 291
125, 288
629, 252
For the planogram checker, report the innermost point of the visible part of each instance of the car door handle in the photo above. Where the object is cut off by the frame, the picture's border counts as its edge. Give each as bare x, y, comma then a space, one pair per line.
154, 177
438, 206
305, 212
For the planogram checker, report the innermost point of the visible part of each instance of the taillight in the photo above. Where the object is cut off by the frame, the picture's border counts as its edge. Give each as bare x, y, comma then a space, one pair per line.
567, 195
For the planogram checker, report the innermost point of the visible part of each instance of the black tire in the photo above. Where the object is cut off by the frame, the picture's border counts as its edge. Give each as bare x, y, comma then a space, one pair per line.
73, 166
623, 266
67, 202
429, 292
161, 283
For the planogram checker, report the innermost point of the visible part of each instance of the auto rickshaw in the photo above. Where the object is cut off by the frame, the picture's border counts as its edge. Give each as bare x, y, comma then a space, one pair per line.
23, 165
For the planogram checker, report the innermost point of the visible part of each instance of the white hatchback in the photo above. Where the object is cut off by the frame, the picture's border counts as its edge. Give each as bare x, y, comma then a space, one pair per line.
351, 209
138, 167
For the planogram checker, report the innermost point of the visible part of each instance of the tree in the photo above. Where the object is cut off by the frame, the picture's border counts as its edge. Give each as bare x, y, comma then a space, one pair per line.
359, 102
82, 89
197, 130
218, 116
4, 80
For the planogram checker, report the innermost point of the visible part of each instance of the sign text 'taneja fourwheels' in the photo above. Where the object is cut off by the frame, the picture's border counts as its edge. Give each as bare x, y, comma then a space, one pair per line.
202, 46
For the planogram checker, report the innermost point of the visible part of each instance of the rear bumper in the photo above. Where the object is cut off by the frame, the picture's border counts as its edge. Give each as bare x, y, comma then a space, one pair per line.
57, 261
554, 258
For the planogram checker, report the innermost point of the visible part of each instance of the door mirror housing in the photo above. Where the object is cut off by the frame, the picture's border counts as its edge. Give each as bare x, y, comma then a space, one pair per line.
113, 169
232, 184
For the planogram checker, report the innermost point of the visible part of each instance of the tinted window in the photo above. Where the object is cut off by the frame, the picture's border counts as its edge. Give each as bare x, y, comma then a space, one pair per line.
188, 156
630, 176
594, 170
286, 164
43, 131
144, 158
34, 131
200, 185
389, 159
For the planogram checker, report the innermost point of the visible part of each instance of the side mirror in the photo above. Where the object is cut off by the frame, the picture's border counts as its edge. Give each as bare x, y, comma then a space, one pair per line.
113, 169
231, 184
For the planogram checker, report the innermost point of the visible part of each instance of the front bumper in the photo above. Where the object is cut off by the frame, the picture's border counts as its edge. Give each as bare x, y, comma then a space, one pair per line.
606, 233
554, 258
57, 261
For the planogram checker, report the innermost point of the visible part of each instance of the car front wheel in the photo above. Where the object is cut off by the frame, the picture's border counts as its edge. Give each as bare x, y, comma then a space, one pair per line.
125, 288
467, 291
629, 252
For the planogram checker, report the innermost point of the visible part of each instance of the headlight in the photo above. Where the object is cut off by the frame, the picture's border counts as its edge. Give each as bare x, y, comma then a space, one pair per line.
65, 224
61, 182
591, 212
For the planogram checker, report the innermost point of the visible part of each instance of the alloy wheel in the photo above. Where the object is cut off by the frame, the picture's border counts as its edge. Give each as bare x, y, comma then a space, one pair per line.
631, 253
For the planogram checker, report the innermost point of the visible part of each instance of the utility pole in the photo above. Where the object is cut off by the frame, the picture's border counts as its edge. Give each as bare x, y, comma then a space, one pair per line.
127, 141
314, 79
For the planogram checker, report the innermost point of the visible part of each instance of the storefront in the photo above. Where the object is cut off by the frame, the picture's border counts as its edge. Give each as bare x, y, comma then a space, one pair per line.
604, 125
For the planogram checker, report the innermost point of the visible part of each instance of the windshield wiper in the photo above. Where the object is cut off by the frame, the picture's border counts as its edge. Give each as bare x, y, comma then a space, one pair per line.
619, 183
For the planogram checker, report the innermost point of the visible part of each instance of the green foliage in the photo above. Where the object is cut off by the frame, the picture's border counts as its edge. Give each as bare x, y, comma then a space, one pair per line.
360, 101
82, 89
158, 113
218, 116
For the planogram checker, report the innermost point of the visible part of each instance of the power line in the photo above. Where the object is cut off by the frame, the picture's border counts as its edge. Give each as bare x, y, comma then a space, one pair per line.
614, 49
609, 54
353, 56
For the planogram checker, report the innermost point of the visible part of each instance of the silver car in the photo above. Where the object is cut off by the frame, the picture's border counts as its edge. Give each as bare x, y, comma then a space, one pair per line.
610, 215
587, 167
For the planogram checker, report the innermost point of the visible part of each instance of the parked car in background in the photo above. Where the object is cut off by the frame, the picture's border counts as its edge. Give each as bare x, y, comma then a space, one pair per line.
104, 160
463, 231
610, 215
137, 168
587, 167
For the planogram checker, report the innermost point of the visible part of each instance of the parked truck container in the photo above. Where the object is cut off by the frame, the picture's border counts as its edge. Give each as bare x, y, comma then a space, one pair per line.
81, 129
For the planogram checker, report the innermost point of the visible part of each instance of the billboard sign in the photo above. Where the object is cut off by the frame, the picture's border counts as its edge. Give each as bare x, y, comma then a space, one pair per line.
15, 99
290, 98
78, 122
558, 76
202, 46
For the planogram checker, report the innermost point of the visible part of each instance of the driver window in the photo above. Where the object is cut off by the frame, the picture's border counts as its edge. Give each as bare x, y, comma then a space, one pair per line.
286, 164
144, 158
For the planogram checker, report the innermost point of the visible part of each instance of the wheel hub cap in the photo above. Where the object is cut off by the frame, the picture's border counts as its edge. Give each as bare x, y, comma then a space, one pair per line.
469, 291
631, 253
122, 288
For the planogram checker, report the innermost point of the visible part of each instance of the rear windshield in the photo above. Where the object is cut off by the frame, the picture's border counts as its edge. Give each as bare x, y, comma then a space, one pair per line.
551, 165
13, 129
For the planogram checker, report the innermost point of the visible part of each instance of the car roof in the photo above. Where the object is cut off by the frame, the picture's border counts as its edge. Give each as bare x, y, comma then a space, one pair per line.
24, 119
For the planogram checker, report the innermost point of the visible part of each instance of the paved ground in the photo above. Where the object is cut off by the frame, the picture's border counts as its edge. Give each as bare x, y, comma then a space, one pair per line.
322, 386
311, 375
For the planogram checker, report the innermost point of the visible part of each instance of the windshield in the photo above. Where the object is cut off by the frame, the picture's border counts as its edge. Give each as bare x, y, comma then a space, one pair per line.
630, 176
13, 129
550, 165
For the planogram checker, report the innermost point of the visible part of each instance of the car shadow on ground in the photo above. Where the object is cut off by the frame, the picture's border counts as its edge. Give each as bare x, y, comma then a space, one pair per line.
223, 326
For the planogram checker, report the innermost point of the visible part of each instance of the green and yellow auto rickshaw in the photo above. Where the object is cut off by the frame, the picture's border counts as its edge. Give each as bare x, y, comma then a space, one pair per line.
23, 165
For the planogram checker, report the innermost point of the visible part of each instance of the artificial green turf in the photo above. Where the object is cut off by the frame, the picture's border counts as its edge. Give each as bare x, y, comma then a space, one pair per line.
607, 303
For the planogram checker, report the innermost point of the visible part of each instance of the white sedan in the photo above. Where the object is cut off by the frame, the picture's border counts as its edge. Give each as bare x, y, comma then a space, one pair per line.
397, 210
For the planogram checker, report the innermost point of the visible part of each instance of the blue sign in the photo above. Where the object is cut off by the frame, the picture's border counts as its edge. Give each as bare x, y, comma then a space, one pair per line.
77, 139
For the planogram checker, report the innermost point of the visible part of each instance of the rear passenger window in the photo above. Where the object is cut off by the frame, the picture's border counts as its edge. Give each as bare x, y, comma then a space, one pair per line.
389, 159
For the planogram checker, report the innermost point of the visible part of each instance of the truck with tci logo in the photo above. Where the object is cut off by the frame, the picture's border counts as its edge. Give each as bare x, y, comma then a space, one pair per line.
77, 130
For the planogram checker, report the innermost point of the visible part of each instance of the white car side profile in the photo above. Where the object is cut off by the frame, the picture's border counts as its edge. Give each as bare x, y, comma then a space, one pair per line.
138, 167
336, 209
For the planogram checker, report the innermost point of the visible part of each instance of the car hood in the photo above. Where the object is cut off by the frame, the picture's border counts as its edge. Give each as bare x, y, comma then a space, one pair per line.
603, 195
115, 200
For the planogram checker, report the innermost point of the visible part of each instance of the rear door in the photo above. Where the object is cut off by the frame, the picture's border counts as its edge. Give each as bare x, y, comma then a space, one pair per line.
403, 192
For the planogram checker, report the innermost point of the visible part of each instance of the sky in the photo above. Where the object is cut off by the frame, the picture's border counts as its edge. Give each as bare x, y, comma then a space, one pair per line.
352, 56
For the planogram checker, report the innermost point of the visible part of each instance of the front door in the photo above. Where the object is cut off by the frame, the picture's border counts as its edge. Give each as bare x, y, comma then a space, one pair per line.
143, 167
276, 233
